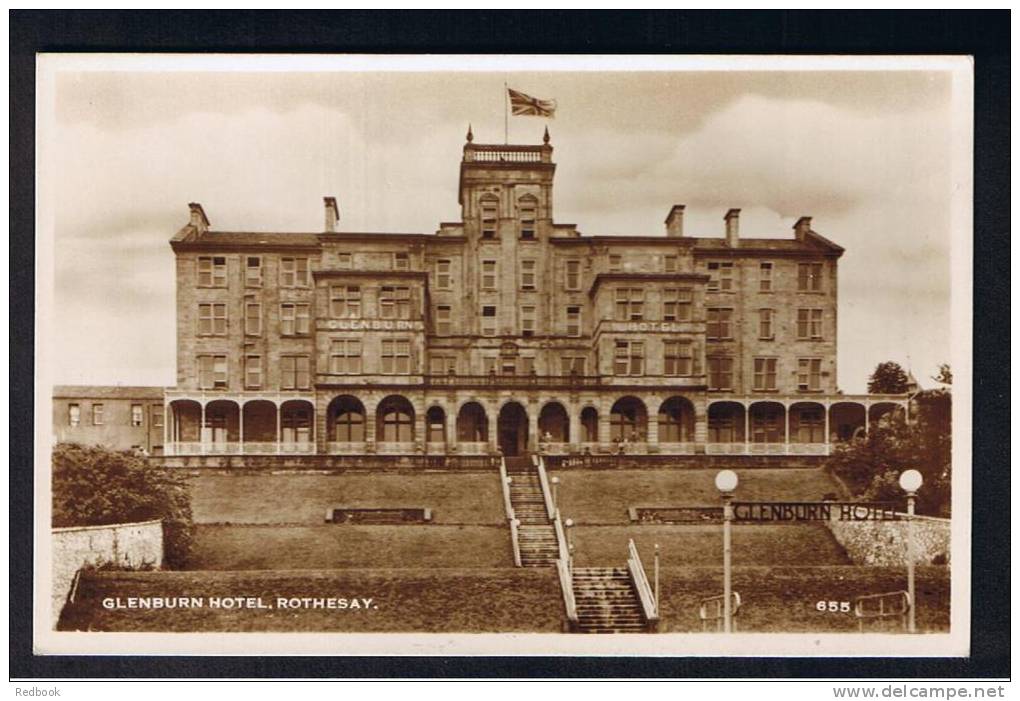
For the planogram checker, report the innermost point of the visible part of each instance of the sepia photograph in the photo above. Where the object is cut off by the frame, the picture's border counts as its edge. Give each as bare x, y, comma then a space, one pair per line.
503, 355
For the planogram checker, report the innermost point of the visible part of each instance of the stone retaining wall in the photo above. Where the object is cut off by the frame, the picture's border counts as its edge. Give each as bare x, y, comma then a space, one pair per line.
883, 543
125, 545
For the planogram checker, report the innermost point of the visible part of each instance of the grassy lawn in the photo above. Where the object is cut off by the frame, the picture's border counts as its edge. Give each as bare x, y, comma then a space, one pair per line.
701, 546
426, 600
782, 599
349, 546
304, 498
601, 496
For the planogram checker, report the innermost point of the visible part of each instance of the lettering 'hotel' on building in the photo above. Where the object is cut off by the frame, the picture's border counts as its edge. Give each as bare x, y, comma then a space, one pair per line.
506, 331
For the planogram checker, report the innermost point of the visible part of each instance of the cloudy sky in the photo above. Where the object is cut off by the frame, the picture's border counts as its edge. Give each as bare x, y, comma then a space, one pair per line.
867, 154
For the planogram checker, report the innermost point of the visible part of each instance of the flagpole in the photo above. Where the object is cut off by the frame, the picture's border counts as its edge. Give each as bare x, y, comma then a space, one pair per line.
506, 114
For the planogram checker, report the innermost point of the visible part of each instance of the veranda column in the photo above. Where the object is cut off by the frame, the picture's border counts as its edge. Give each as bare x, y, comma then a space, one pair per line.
201, 431
240, 425
278, 431
786, 429
747, 428
828, 407
700, 424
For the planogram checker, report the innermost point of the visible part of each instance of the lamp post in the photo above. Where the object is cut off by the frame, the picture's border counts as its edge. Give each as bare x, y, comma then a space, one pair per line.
910, 482
726, 481
656, 578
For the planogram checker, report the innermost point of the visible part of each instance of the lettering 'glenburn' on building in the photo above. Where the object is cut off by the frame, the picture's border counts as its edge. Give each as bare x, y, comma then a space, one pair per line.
506, 331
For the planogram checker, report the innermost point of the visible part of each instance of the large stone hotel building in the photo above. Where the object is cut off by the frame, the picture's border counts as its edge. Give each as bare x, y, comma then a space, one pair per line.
506, 331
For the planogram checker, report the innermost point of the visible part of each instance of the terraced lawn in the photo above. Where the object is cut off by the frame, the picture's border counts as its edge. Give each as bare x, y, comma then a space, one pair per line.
303, 498
698, 546
603, 497
267, 547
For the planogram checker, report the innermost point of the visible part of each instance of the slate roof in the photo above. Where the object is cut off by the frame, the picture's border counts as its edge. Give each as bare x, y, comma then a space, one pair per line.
107, 392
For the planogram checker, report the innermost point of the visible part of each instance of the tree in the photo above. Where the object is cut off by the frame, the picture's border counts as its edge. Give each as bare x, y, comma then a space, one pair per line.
871, 465
95, 486
888, 378
945, 376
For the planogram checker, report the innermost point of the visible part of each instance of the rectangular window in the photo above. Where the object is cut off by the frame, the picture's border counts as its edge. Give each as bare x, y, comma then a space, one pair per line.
527, 321
253, 371
443, 320
395, 302
345, 261
488, 320
294, 319
443, 365
809, 324
528, 214
719, 323
678, 358
212, 319
720, 372
573, 321
629, 358
345, 301
97, 414
765, 277
212, 271
765, 374
73, 415
490, 216
156, 412
396, 356
252, 318
720, 276
810, 426
253, 271
573, 281
444, 278
669, 264
212, 371
809, 374
677, 304
136, 414
401, 261
572, 365
630, 304
508, 366
345, 356
295, 372
527, 274
527, 365
809, 277
488, 274
294, 272
489, 365
765, 331
615, 263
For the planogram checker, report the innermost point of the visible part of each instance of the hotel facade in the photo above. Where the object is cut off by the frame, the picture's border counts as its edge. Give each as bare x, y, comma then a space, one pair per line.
507, 332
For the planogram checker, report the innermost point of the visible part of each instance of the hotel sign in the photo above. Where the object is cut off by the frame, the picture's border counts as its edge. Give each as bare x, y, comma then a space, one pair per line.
786, 511
649, 326
371, 325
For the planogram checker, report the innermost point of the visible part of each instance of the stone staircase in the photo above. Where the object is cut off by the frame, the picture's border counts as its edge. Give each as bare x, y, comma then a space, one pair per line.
536, 534
606, 601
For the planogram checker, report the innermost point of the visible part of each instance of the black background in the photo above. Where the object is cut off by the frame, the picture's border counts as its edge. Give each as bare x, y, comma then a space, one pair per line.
984, 35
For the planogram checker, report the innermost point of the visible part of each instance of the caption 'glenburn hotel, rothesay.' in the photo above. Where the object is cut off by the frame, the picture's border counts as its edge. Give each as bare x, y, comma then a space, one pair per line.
503, 331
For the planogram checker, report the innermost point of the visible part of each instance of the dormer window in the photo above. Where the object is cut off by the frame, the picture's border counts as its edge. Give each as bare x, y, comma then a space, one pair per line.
527, 212
490, 216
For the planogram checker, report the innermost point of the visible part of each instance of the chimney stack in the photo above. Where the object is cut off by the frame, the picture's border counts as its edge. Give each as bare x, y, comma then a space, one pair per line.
198, 218
332, 214
801, 228
732, 219
675, 221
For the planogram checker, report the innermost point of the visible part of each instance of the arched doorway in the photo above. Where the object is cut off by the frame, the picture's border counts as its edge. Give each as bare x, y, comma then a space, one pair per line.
222, 430
259, 426
726, 423
590, 424
435, 422
297, 417
512, 429
553, 422
628, 421
676, 421
847, 420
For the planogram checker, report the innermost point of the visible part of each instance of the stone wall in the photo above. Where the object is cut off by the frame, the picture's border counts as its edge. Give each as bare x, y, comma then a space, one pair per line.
883, 543
126, 545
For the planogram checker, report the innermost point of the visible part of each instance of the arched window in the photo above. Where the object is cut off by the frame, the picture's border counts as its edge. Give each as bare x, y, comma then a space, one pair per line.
348, 421
435, 419
676, 421
395, 420
590, 424
628, 420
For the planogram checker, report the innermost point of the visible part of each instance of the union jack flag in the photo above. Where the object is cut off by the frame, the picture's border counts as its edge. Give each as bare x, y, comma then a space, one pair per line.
522, 105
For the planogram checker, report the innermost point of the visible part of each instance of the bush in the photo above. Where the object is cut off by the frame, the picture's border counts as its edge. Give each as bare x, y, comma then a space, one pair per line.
95, 486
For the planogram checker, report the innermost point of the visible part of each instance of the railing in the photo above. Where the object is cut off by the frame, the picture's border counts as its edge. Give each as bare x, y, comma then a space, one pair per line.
235, 448
543, 478
767, 448
640, 580
553, 448
504, 481
567, 588
497, 153
893, 604
677, 448
495, 380
472, 448
712, 612
395, 447
345, 447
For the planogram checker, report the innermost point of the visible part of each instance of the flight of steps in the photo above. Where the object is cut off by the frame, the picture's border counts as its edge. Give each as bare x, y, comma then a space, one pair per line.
536, 535
606, 601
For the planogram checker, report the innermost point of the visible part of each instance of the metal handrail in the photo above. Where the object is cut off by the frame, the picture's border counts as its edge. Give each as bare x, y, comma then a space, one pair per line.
720, 614
900, 597
504, 481
640, 580
567, 588
543, 479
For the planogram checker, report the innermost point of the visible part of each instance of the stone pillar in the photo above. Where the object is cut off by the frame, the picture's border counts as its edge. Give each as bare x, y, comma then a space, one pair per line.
201, 431
700, 424
240, 424
279, 421
605, 428
533, 437
451, 428
574, 424
321, 430
493, 414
